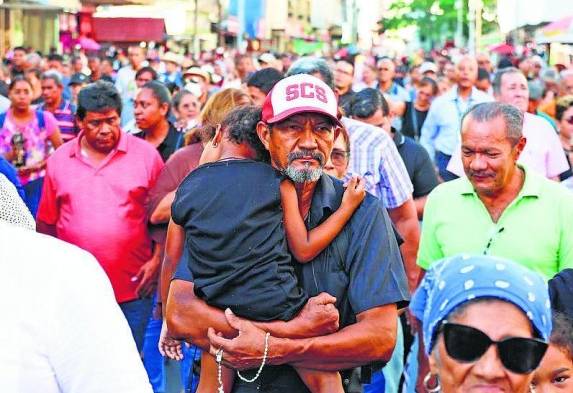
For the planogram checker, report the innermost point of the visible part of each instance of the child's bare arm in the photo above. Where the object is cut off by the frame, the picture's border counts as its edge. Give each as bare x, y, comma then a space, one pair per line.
306, 245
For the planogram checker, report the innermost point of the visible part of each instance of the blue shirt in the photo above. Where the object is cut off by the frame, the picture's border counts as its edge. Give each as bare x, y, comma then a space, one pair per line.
397, 93
10, 172
441, 130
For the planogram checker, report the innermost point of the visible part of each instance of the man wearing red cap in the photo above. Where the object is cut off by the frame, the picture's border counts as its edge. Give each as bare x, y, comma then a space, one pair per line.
362, 267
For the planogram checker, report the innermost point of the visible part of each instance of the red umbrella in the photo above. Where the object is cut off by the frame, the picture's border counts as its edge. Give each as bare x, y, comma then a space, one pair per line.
502, 49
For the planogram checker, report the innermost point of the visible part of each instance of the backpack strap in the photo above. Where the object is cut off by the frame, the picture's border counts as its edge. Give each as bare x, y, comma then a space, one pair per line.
41, 119
3, 119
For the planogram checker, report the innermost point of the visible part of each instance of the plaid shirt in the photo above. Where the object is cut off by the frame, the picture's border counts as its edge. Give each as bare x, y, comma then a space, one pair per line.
374, 156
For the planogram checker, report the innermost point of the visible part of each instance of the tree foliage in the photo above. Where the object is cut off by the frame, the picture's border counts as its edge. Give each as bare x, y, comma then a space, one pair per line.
436, 20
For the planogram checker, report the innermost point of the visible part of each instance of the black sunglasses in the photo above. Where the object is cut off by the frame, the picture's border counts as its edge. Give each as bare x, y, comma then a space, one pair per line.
517, 354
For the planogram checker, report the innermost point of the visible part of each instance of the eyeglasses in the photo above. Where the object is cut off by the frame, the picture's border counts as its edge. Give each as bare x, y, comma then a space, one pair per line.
517, 354
339, 157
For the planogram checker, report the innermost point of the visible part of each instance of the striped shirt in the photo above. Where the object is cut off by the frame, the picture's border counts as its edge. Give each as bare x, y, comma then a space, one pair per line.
374, 156
66, 119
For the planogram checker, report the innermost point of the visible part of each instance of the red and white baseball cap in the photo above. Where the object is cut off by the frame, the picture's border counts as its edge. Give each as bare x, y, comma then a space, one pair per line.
299, 93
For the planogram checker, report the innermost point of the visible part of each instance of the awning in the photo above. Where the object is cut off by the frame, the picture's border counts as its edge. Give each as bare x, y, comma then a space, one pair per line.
560, 31
128, 29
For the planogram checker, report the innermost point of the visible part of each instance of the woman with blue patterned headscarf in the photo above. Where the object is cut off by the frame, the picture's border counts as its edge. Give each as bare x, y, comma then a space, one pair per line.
485, 322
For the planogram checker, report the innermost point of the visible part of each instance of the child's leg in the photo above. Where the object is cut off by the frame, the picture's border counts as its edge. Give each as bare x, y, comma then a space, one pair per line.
208, 382
321, 381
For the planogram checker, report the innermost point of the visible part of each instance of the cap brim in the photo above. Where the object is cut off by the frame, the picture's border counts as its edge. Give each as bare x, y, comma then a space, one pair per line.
302, 109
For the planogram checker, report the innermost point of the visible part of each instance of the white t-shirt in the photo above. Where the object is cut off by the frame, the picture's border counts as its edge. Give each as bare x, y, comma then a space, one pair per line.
62, 331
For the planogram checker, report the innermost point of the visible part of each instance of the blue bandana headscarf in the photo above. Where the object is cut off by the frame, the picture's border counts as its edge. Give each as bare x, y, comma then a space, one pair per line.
451, 282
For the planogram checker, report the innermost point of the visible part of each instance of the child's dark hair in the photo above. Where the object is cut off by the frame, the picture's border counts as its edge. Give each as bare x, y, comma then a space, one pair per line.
240, 126
562, 333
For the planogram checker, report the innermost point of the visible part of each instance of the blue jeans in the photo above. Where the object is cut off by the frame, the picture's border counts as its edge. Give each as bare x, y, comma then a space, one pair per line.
137, 313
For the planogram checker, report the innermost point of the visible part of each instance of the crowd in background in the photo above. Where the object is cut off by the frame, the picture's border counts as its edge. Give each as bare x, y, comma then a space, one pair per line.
172, 105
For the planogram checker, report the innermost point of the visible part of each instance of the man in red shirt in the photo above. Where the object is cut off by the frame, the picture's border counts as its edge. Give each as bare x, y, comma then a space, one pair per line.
95, 192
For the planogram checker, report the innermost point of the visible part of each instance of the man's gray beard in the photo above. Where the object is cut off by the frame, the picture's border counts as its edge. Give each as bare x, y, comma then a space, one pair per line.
303, 175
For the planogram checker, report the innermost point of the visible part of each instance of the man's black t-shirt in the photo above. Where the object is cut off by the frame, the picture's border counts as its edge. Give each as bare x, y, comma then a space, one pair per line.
235, 241
412, 121
172, 142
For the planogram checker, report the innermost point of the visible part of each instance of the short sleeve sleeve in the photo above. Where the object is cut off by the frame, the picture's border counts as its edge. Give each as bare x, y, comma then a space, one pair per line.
429, 250
48, 209
376, 271
50, 122
395, 185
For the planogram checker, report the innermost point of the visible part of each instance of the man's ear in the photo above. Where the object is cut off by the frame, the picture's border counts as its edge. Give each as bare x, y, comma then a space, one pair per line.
337, 132
164, 109
520, 146
218, 136
264, 133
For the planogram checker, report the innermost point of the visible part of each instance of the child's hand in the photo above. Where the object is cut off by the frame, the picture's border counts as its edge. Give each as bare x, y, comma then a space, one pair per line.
354, 193
169, 346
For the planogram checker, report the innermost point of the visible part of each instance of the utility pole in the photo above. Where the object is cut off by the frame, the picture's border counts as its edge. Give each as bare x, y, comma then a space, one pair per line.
460, 24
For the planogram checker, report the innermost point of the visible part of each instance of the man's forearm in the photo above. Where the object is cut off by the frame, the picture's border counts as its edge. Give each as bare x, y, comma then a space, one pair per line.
372, 338
162, 212
189, 318
405, 219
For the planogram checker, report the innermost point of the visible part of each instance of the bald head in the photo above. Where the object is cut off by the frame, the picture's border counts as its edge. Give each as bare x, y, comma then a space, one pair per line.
466, 72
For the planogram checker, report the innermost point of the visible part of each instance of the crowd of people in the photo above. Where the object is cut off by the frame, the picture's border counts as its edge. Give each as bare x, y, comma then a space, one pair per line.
261, 222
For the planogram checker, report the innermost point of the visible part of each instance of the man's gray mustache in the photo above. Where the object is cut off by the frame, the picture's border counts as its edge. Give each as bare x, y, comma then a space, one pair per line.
296, 155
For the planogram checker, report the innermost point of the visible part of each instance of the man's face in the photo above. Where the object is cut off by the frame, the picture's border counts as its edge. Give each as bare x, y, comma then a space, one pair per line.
450, 72
171, 67
55, 65
245, 65
299, 145
147, 110
106, 67
343, 75
77, 65
19, 58
135, 56
466, 73
94, 65
257, 95
368, 75
483, 85
484, 62
51, 92
525, 66
377, 119
514, 91
488, 156
143, 78
386, 70
425, 94
75, 88
101, 130
567, 85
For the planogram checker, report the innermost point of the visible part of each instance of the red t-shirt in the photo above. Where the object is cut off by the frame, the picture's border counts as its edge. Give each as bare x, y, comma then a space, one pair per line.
102, 209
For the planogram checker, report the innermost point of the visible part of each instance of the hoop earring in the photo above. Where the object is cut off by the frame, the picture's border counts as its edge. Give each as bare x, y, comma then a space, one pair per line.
432, 389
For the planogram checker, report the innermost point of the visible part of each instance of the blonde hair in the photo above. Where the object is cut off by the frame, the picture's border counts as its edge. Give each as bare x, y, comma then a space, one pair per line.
215, 110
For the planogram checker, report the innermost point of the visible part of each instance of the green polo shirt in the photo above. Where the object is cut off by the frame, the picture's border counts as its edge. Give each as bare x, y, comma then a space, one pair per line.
536, 229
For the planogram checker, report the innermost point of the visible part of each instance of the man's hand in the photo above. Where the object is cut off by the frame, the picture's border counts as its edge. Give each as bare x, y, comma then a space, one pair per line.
318, 317
147, 277
169, 346
242, 352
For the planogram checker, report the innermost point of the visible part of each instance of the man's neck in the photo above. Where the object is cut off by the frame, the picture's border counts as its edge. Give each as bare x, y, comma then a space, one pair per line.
55, 105
157, 134
385, 86
342, 90
421, 106
93, 155
464, 92
496, 203
304, 192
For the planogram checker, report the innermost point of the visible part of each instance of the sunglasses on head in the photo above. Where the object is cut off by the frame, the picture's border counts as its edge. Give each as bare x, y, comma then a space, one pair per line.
519, 355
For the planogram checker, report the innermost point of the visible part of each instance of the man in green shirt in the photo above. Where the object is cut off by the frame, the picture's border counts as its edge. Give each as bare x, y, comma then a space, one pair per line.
501, 208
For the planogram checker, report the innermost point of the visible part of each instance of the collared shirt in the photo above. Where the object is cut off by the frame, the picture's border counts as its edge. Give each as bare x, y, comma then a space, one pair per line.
173, 141
102, 209
418, 164
362, 267
66, 321
534, 230
542, 153
374, 156
65, 116
441, 130
397, 93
